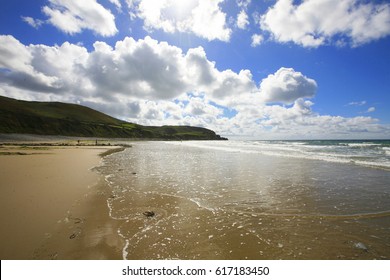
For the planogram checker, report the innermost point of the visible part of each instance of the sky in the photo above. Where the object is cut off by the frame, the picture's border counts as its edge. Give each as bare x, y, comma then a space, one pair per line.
247, 69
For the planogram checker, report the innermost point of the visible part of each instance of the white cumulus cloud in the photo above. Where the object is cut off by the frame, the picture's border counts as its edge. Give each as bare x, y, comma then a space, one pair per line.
257, 39
203, 18
312, 23
72, 16
154, 83
142, 69
286, 86
36, 23
242, 20
18, 61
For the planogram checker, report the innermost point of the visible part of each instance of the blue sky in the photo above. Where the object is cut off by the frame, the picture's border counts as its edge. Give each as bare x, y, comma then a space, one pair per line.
257, 69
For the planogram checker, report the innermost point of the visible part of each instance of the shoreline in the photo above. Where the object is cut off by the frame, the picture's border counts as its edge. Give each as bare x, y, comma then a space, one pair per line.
54, 204
217, 204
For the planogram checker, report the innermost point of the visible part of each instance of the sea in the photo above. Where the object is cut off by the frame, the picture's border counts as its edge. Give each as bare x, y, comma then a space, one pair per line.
240, 200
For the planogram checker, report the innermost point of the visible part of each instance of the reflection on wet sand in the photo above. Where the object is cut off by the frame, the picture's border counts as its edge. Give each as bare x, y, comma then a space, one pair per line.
210, 204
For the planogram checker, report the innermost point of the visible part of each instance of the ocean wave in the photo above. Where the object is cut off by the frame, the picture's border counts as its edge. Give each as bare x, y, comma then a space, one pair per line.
363, 144
343, 153
386, 150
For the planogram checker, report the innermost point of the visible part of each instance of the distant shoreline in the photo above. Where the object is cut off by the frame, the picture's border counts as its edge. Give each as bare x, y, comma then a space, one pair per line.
28, 139
56, 118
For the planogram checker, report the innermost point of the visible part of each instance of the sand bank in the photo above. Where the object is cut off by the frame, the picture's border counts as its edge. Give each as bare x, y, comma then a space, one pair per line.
51, 202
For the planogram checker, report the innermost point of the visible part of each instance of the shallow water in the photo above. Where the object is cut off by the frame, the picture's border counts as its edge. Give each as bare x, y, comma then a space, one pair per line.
230, 200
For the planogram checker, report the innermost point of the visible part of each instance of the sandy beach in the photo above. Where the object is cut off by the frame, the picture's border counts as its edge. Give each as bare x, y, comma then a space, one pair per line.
210, 201
52, 205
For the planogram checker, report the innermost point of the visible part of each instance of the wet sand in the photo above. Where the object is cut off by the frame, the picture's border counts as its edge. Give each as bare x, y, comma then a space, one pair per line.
212, 204
52, 205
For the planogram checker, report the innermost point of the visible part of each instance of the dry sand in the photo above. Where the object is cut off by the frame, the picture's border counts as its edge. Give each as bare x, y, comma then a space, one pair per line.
52, 205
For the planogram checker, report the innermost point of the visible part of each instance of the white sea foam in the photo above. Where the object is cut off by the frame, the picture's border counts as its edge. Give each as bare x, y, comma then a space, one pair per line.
362, 144
341, 153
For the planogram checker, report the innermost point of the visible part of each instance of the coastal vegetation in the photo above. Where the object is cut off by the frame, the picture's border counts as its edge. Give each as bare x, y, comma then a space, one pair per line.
56, 118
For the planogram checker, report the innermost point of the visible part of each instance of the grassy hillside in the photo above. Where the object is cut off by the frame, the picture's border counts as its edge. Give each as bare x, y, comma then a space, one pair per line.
55, 118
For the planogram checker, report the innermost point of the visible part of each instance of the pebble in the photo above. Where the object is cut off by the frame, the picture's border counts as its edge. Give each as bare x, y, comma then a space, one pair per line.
361, 246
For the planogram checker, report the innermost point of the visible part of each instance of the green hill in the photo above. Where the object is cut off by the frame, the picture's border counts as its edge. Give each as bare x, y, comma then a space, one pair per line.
55, 118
